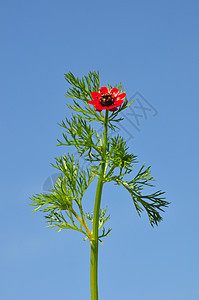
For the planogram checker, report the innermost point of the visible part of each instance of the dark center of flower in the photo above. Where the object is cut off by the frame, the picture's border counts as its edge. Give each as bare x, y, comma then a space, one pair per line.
106, 100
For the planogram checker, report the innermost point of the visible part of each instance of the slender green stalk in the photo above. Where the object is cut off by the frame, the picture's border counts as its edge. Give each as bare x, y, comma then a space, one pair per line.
94, 243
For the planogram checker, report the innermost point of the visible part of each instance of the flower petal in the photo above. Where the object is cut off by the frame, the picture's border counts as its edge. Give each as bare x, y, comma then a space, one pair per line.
91, 102
95, 95
114, 91
98, 106
104, 90
118, 102
121, 96
94, 102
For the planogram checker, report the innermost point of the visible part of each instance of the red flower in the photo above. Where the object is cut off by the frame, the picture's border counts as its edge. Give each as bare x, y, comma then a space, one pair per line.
107, 99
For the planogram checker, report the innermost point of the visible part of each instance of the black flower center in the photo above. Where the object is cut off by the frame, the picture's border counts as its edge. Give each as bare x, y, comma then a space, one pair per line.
106, 100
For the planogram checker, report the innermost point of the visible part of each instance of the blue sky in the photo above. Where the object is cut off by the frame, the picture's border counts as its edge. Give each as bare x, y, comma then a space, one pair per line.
152, 48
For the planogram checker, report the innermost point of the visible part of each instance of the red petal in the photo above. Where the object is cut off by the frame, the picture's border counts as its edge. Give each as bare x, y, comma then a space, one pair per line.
121, 96
114, 91
98, 106
95, 95
104, 90
111, 106
118, 102
94, 102
113, 109
108, 107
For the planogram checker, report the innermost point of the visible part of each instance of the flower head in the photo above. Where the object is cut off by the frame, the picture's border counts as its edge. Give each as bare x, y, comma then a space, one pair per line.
107, 99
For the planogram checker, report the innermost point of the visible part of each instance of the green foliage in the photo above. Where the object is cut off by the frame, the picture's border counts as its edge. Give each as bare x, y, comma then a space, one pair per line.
67, 191
77, 180
63, 206
118, 156
81, 89
113, 116
102, 220
82, 137
152, 203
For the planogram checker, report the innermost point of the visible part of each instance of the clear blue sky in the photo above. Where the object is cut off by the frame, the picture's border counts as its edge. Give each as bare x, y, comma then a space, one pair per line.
152, 47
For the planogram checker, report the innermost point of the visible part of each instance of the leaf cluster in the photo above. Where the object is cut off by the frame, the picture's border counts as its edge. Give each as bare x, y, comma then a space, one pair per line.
66, 194
83, 137
102, 220
152, 203
81, 89
119, 159
63, 206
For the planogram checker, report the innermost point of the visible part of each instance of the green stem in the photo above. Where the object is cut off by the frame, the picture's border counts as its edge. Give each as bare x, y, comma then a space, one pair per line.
94, 244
